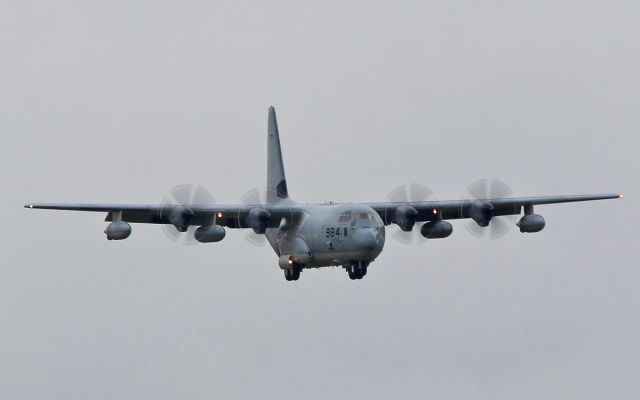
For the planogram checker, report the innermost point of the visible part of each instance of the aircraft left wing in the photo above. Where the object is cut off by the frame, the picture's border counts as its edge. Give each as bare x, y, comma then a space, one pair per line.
405, 214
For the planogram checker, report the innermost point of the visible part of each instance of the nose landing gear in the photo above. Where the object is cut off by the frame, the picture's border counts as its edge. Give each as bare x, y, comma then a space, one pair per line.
357, 269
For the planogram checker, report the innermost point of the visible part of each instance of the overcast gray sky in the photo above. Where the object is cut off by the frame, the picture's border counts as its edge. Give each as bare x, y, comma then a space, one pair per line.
120, 101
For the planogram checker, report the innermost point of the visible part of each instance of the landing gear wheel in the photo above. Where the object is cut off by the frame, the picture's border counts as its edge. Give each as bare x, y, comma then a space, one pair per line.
357, 270
293, 273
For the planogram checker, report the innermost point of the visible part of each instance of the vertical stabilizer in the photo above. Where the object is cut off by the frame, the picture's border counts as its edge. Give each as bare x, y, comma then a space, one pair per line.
276, 181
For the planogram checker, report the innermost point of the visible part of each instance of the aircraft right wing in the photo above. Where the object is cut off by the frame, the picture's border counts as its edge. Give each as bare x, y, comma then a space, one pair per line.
182, 216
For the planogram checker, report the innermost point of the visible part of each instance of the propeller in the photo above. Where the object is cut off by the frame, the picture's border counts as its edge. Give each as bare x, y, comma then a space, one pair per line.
413, 192
255, 196
176, 206
490, 189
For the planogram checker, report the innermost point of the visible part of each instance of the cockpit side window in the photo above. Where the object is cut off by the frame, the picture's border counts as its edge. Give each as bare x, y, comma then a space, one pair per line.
344, 217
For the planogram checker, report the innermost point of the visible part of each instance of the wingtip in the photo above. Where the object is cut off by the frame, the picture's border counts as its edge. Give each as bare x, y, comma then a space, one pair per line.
29, 206
621, 196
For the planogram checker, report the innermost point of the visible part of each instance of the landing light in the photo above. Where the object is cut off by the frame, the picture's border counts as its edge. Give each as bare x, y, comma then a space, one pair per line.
290, 261
30, 205
219, 214
435, 211
621, 196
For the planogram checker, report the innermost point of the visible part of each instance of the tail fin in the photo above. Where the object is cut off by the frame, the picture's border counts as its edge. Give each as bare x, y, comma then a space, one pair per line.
276, 181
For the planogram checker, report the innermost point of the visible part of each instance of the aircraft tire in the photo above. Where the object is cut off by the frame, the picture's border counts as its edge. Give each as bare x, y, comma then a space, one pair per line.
353, 275
360, 269
292, 274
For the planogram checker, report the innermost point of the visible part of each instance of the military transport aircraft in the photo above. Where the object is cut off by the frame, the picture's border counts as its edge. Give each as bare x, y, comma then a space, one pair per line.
350, 235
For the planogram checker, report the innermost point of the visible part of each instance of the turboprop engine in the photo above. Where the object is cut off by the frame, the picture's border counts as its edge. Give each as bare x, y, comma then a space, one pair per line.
405, 217
180, 217
258, 219
481, 212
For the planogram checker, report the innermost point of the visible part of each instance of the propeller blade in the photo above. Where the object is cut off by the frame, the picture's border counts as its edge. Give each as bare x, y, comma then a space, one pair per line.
186, 195
413, 192
255, 196
490, 189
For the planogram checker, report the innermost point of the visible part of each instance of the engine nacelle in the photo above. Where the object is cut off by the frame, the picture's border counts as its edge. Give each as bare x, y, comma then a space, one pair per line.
405, 217
436, 229
258, 219
180, 217
531, 223
481, 212
118, 230
209, 234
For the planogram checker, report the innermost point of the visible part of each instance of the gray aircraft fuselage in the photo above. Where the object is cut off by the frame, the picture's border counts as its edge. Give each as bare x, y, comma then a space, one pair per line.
330, 235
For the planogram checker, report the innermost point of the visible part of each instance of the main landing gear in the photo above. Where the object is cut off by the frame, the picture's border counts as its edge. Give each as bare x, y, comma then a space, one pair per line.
293, 273
357, 269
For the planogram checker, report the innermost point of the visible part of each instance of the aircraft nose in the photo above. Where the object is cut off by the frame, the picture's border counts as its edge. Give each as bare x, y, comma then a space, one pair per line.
365, 239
